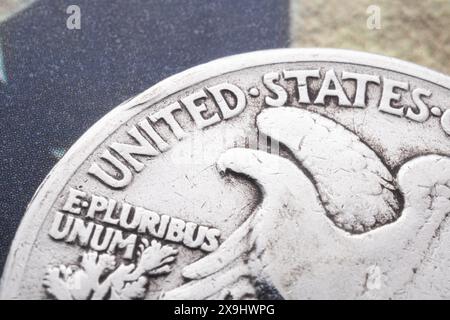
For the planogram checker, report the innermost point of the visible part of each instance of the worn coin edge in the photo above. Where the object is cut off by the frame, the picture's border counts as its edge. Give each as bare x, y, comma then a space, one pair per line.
52, 185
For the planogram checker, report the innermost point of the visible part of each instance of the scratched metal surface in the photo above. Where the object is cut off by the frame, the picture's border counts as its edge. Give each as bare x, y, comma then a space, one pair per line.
58, 82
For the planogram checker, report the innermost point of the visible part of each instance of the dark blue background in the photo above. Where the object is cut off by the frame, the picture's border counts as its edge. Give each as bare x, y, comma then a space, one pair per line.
62, 81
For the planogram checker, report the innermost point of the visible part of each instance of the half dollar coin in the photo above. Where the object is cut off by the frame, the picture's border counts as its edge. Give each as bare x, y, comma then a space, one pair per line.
280, 174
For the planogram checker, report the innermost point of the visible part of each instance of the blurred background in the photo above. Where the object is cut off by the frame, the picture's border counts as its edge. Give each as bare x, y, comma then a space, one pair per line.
413, 30
63, 67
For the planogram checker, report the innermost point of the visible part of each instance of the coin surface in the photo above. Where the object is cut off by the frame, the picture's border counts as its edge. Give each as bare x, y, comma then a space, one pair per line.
280, 174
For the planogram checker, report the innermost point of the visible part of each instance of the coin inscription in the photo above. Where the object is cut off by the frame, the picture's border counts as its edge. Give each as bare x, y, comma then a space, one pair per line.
132, 219
277, 174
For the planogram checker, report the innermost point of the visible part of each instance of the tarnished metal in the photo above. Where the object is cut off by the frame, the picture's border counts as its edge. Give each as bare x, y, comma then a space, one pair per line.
293, 173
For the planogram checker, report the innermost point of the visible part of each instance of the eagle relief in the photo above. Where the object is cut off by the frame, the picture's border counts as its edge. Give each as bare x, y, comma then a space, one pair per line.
282, 174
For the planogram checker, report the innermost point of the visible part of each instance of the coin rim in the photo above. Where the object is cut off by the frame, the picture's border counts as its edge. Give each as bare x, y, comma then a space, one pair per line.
47, 193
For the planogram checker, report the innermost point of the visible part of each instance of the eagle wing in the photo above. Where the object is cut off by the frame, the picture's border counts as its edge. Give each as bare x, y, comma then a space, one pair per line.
355, 186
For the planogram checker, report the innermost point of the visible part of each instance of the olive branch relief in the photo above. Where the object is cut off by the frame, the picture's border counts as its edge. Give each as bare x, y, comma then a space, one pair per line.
99, 276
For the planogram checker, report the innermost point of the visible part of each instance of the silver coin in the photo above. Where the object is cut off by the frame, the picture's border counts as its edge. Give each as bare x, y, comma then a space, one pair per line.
293, 174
